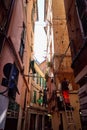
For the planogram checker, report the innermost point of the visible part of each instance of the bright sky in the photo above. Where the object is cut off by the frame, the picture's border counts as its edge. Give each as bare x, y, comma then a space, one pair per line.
40, 35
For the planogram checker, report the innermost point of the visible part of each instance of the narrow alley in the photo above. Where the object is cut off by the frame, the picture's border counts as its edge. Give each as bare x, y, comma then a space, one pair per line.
50, 94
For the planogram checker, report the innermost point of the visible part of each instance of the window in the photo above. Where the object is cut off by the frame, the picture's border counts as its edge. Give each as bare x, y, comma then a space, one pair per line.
41, 82
32, 122
22, 44
37, 78
32, 67
40, 122
44, 83
34, 96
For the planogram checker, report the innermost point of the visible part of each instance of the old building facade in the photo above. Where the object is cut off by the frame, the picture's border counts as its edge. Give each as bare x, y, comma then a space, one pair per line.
17, 19
77, 28
24, 91
37, 113
60, 64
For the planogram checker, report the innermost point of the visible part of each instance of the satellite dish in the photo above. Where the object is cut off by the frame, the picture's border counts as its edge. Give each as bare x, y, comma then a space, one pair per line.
7, 69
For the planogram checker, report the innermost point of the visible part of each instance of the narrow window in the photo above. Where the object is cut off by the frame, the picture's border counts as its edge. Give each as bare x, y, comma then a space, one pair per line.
34, 96
22, 44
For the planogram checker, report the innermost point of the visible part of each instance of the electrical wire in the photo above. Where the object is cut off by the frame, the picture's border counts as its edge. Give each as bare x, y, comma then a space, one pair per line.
64, 55
62, 58
67, 20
